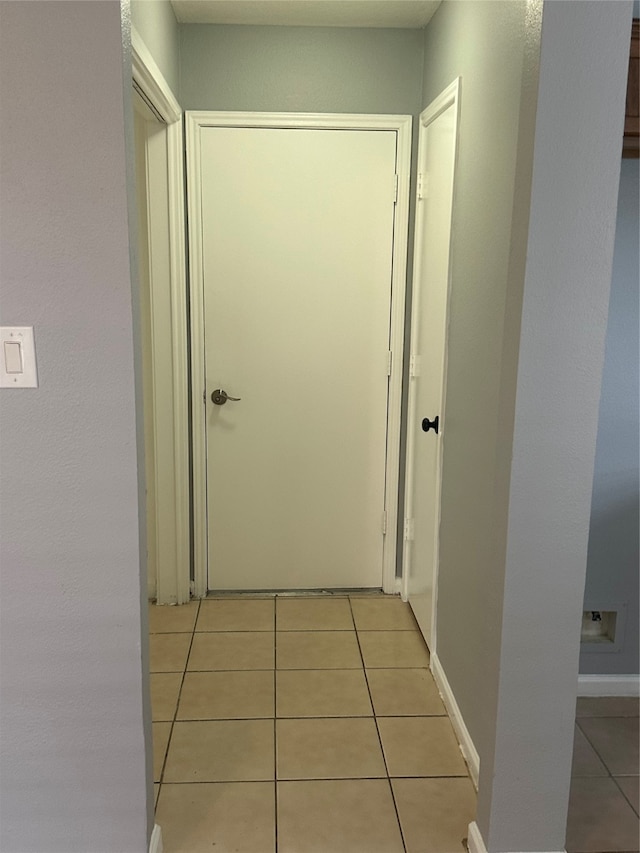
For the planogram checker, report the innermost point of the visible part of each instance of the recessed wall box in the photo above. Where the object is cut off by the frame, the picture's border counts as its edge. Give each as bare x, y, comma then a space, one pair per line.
603, 630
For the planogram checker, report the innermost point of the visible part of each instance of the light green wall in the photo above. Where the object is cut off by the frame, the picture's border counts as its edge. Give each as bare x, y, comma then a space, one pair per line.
487, 45
483, 43
157, 26
401, 71
306, 69
300, 69
515, 513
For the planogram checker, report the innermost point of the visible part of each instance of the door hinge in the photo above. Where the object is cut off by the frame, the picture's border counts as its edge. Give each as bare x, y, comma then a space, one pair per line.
204, 396
414, 365
408, 529
389, 362
395, 189
384, 522
423, 185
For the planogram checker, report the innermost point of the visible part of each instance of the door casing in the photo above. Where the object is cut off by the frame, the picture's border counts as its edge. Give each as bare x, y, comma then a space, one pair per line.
401, 124
448, 98
167, 301
146, 123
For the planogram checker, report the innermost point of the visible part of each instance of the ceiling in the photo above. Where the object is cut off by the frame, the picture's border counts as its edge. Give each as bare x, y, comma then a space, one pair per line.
409, 14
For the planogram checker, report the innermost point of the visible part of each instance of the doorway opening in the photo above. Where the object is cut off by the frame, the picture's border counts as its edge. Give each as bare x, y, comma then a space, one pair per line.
163, 319
298, 239
426, 421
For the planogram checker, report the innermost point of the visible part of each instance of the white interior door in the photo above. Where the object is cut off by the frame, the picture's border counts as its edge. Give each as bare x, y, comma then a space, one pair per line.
297, 248
436, 151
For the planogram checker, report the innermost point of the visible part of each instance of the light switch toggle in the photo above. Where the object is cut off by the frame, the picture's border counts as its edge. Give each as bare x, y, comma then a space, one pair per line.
13, 357
17, 357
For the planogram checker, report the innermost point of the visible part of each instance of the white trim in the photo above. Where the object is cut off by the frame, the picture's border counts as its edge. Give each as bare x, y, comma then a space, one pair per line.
467, 747
398, 296
609, 685
401, 124
180, 345
149, 79
155, 845
171, 436
197, 354
447, 98
327, 121
475, 842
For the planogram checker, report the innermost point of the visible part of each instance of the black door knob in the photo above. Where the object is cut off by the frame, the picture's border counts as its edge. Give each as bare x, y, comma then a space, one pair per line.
434, 424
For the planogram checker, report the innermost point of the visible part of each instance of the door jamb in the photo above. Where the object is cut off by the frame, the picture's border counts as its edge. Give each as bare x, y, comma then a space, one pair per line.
171, 422
448, 97
401, 124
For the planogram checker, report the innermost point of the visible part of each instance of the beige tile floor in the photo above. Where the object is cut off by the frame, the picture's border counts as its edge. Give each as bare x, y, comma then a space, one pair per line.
313, 725
603, 805
302, 725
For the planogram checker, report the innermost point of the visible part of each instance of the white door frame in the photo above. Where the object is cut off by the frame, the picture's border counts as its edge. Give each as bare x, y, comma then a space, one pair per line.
165, 168
449, 97
195, 122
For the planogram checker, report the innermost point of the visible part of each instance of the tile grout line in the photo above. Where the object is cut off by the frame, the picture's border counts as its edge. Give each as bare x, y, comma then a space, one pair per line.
305, 779
606, 766
624, 794
594, 748
175, 712
313, 669
275, 670
375, 720
323, 717
275, 717
610, 775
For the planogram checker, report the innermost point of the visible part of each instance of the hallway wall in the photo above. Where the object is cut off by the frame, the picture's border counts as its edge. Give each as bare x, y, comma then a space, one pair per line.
371, 70
534, 209
72, 739
300, 69
157, 27
484, 43
612, 563
307, 69
303, 69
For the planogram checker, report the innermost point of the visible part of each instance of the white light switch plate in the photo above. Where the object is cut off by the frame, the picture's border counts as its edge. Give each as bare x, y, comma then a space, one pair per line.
17, 357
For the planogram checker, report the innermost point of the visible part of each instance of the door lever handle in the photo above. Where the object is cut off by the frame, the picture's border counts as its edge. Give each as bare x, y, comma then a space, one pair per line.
220, 397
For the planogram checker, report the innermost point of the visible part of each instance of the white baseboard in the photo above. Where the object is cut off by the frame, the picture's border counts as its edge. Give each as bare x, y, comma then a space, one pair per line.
609, 685
475, 843
155, 845
469, 752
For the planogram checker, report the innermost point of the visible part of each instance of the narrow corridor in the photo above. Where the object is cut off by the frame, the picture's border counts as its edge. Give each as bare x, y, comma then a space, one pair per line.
313, 725
302, 725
